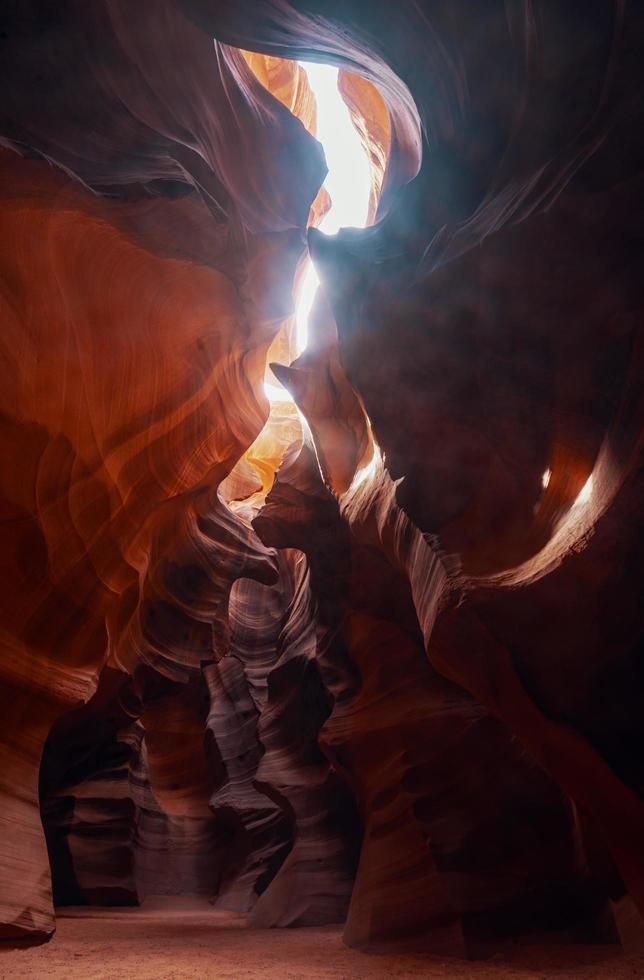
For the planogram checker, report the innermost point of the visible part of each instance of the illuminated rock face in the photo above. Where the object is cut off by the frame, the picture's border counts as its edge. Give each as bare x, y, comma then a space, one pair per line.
413, 707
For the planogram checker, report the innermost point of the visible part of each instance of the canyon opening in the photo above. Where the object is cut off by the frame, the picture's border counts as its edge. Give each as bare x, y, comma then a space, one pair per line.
321, 489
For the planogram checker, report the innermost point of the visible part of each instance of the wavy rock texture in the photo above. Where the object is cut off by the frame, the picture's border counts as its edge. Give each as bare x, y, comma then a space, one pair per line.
402, 689
466, 842
135, 331
481, 362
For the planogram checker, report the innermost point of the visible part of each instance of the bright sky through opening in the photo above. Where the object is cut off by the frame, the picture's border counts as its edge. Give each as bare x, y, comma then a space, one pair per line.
348, 184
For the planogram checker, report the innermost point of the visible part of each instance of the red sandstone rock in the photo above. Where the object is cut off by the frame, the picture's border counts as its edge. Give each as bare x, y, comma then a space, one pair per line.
404, 689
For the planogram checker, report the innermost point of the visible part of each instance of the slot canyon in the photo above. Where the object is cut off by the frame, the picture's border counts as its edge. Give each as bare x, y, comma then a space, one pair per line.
321, 489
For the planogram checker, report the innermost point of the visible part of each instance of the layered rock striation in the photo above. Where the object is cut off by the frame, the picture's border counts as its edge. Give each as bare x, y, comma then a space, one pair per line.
378, 662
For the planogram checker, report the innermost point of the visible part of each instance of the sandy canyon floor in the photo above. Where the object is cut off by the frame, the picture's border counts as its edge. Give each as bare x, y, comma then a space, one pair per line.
196, 941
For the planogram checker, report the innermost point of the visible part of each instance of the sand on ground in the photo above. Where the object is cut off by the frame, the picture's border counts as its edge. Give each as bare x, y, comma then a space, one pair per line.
170, 940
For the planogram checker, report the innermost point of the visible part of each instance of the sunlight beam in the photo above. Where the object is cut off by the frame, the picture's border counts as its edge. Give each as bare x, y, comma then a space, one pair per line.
348, 184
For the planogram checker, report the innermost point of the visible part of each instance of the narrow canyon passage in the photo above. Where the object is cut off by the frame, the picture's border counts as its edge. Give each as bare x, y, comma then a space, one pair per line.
345, 199
321, 484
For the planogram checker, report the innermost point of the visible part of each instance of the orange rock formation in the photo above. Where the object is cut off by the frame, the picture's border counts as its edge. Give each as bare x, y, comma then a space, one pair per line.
372, 656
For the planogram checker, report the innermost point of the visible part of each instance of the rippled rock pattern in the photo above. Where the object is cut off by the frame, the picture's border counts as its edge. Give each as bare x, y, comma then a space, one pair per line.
401, 686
